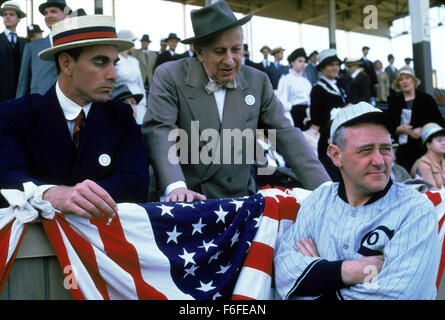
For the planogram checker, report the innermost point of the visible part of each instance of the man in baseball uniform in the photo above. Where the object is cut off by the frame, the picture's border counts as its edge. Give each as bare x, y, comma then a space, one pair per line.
366, 237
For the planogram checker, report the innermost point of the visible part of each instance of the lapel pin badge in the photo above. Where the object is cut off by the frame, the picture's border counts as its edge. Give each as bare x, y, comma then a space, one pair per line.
250, 100
104, 160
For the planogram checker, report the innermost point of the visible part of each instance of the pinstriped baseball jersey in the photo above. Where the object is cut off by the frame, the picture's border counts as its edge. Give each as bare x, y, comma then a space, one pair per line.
401, 224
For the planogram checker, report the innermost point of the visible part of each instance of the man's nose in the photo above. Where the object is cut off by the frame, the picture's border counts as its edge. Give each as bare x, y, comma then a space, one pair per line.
112, 73
377, 158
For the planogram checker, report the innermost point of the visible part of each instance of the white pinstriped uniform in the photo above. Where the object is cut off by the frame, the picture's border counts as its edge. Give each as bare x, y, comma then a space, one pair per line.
411, 255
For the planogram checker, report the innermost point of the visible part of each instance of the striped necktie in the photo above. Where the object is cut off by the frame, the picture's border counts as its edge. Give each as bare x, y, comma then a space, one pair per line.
78, 128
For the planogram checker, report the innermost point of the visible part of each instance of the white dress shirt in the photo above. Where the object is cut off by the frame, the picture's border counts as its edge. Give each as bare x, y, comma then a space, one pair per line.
70, 109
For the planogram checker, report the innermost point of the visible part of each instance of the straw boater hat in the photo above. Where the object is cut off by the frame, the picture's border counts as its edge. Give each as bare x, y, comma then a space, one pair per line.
431, 130
209, 21
12, 5
276, 50
84, 31
405, 70
353, 61
326, 57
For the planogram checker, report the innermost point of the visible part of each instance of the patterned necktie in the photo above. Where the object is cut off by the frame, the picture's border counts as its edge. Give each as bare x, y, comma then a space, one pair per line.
212, 86
13, 39
78, 128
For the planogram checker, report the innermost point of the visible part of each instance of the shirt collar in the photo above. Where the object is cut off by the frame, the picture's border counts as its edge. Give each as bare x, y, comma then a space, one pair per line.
70, 109
355, 73
330, 81
376, 196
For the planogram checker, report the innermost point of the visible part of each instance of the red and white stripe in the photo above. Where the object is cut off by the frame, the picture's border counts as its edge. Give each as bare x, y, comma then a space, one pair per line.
279, 213
122, 261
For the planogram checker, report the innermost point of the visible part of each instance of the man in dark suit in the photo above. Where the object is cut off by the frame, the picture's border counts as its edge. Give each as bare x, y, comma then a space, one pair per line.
84, 152
359, 83
37, 76
368, 66
215, 94
169, 54
11, 49
276, 69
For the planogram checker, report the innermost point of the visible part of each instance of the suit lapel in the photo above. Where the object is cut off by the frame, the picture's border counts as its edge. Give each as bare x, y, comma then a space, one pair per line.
100, 137
53, 137
202, 105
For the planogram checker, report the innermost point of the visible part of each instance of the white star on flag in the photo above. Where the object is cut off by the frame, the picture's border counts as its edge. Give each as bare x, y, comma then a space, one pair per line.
238, 204
166, 210
197, 227
216, 295
206, 286
235, 238
188, 257
185, 204
190, 271
224, 269
221, 215
207, 245
215, 256
173, 235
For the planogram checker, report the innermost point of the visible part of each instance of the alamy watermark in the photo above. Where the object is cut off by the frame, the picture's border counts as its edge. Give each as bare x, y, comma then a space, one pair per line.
371, 20
230, 146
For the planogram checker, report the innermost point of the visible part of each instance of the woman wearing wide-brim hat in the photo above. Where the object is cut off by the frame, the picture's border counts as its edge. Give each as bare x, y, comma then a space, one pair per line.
431, 166
410, 109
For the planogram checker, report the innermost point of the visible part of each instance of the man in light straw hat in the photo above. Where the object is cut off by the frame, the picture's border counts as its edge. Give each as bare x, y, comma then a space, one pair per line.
84, 152
11, 49
216, 92
365, 227
37, 76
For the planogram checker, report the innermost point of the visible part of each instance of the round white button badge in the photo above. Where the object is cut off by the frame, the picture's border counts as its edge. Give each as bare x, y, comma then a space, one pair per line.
104, 160
250, 100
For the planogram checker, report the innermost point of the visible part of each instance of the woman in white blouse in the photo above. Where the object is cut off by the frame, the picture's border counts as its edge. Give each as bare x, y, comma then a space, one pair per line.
294, 89
129, 73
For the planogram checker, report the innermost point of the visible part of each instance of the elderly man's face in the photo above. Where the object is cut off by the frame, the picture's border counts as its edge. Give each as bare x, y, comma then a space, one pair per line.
10, 19
365, 162
93, 74
53, 15
222, 59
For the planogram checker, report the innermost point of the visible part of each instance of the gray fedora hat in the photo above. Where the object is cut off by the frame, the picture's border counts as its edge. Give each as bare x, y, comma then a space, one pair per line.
122, 92
54, 3
209, 21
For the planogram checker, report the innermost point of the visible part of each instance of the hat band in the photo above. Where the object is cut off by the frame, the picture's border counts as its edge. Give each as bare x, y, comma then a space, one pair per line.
84, 34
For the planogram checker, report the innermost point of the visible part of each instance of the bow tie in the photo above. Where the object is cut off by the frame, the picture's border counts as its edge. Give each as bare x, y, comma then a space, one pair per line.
211, 86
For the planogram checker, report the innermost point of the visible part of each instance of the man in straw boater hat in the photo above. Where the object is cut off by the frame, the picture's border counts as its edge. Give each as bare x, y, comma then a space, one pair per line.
11, 49
37, 76
215, 93
83, 151
365, 237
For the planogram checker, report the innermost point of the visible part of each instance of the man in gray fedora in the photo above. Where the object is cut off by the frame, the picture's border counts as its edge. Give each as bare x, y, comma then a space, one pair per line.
212, 93
147, 60
37, 76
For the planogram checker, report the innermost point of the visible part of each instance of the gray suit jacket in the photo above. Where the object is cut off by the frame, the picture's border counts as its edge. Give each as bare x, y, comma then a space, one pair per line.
178, 98
36, 76
392, 74
147, 64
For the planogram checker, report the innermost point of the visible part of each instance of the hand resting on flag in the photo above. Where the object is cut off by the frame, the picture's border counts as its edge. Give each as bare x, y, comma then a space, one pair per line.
86, 199
183, 194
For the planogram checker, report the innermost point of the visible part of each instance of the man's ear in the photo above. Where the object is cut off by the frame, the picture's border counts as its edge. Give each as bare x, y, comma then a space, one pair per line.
335, 154
66, 63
